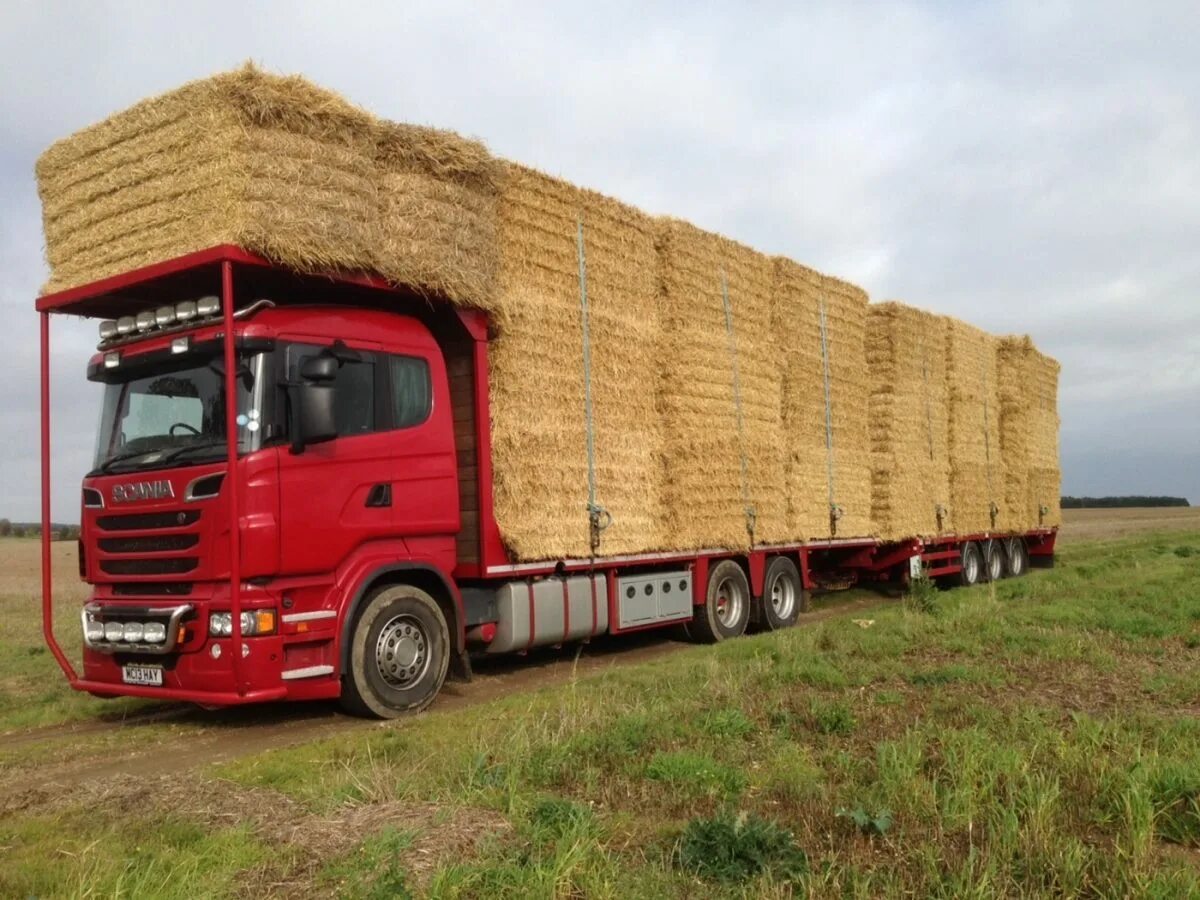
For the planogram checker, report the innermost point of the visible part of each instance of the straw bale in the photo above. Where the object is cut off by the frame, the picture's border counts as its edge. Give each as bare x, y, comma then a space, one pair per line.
704, 494
908, 412
1014, 364
1045, 474
438, 195
539, 448
976, 468
273, 164
799, 294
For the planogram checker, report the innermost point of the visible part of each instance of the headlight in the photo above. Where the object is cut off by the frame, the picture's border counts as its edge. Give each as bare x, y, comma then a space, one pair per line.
154, 633
164, 316
208, 306
254, 622
94, 630
132, 632
126, 324
114, 631
185, 310
108, 329
145, 320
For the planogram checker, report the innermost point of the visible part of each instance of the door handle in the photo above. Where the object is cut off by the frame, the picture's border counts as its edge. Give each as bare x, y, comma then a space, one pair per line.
380, 495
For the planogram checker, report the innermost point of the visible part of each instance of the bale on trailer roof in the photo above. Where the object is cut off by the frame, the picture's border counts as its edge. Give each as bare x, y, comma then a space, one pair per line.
910, 486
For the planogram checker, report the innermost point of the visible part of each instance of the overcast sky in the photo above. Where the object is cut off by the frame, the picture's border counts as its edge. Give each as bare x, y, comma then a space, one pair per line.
1028, 166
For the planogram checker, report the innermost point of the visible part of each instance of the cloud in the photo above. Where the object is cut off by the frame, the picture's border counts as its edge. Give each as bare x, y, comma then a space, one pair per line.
1027, 166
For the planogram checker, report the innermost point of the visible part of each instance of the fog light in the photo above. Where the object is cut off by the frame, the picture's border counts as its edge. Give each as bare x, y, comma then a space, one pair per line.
133, 632
185, 310
208, 306
181, 344
114, 631
164, 316
154, 633
108, 329
215, 650
94, 631
145, 320
112, 360
126, 325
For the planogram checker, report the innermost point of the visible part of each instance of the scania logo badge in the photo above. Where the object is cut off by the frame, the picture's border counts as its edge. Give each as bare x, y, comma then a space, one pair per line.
142, 490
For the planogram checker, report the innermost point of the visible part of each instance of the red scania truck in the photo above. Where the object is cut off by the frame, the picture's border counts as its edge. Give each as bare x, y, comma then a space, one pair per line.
292, 499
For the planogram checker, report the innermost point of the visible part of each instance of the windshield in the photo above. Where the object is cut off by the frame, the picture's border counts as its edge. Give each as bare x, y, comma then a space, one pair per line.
178, 414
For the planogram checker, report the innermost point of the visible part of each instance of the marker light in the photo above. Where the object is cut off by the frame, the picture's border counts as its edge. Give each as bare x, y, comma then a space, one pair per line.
208, 306
145, 321
108, 329
185, 310
126, 324
164, 316
181, 344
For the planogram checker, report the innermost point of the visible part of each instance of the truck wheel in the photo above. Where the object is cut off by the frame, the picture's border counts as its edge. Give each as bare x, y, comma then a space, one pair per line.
995, 565
726, 611
784, 597
1018, 558
399, 653
972, 565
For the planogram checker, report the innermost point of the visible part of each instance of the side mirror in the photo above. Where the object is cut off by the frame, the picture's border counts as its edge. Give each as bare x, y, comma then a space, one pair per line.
320, 369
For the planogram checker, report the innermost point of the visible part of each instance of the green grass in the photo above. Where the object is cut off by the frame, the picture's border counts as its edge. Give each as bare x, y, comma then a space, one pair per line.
1037, 737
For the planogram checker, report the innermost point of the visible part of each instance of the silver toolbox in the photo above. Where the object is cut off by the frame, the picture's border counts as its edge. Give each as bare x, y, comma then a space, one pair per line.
660, 597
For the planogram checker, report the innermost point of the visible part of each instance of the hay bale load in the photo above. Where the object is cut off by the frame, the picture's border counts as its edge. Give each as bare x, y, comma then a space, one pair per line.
817, 475
907, 410
976, 470
687, 455
537, 386
705, 492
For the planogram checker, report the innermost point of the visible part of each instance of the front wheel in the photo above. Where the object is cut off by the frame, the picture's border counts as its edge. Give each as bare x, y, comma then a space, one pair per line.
399, 653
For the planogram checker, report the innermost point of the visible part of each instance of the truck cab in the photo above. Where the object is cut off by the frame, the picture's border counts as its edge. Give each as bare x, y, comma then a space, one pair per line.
345, 474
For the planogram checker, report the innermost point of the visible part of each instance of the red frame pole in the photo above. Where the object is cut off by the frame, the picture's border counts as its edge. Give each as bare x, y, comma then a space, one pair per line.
231, 476
47, 566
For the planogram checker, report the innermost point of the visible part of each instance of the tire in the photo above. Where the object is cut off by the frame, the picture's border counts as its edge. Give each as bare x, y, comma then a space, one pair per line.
784, 597
399, 653
1018, 558
972, 565
995, 561
726, 611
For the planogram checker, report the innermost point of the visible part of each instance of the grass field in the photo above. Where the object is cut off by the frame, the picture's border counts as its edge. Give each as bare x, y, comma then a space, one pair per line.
1038, 739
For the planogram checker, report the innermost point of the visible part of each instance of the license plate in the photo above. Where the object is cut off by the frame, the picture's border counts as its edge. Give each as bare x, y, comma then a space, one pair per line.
146, 675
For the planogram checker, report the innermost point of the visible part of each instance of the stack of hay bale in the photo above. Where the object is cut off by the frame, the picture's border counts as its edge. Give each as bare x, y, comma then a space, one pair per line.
539, 437
908, 422
723, 476
976, 471
827, 471
1045, 475
731, 391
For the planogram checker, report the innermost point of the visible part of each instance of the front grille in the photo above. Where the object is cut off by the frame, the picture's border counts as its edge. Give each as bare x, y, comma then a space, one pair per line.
152, 566
145, 521
153, 589
154, 544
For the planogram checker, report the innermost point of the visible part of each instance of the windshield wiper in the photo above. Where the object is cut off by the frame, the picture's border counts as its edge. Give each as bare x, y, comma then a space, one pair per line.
107, 465
188, 448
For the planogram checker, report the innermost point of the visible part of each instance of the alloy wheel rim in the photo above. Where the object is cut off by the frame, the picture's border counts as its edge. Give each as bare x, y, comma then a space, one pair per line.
402, 651
730, 602
783, 596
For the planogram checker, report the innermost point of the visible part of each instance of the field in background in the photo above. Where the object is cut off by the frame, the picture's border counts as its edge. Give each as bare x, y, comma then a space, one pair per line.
1099, 524
1039, 738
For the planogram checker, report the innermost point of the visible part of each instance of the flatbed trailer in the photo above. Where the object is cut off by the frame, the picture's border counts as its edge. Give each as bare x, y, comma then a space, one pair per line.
326, 570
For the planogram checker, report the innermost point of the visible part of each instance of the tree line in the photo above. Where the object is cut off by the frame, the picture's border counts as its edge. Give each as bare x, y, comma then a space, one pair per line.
1120, 502
33, 529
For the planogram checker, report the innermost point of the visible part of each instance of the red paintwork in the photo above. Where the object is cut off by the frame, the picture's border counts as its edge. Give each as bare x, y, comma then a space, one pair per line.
292, 532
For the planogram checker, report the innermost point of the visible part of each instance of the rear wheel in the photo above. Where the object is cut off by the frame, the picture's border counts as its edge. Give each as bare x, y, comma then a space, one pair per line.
995, 564
726, 611
972, 565
783, 598
399, 653
1018, 558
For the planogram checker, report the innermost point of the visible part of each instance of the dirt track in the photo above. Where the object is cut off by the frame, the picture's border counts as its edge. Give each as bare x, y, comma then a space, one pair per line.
175, 738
